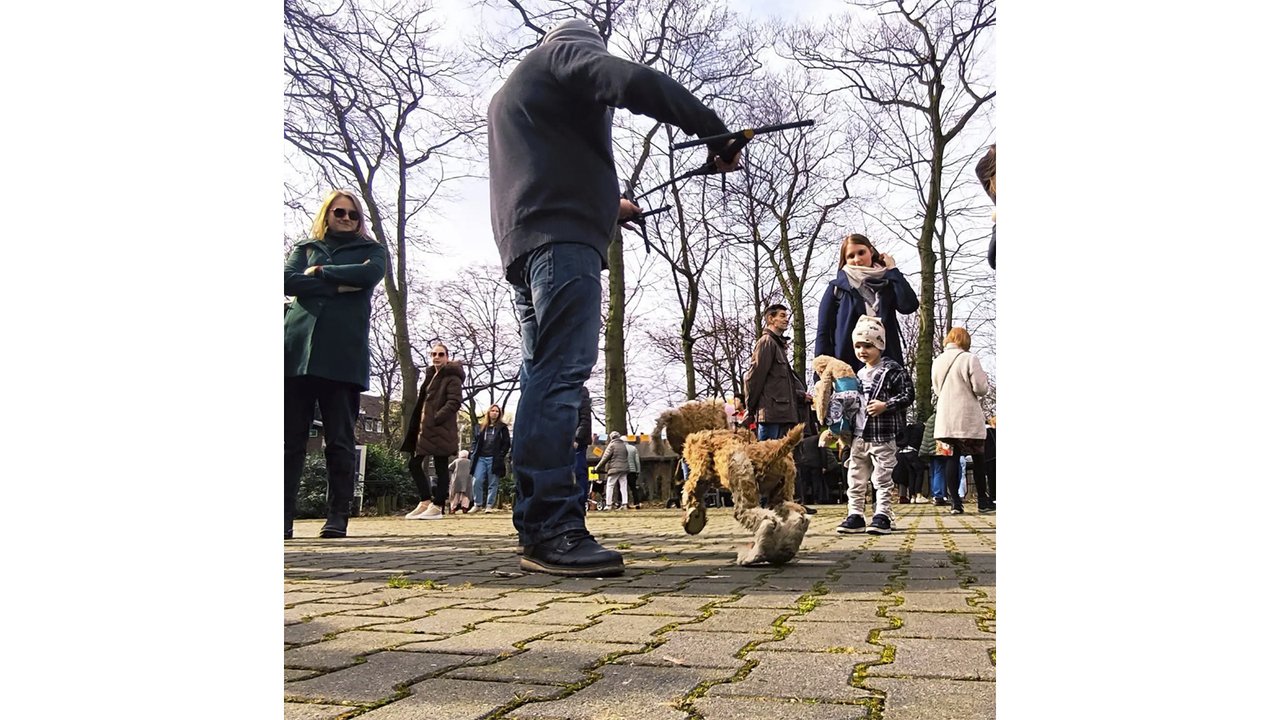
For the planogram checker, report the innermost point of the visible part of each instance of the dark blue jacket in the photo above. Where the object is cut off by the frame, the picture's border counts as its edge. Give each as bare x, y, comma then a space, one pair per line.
841, 307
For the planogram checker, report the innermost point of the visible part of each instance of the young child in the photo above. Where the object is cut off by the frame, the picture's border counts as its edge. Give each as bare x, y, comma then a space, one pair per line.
460, 482
886, 385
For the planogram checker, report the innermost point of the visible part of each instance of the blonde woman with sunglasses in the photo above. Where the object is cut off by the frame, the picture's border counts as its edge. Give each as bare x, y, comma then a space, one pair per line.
332, 275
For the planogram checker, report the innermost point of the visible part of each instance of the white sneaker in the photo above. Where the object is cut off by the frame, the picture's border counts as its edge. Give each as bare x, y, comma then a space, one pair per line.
433, 512
488, 510
473, 510
422, 507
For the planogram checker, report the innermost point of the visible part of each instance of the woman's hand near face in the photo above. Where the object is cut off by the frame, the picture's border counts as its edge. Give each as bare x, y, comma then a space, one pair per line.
888, 261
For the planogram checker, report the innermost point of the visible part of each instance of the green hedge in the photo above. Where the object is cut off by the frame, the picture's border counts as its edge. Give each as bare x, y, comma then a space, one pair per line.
386, 475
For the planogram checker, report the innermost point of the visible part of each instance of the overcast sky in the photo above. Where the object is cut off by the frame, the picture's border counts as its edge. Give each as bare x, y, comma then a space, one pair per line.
460, 229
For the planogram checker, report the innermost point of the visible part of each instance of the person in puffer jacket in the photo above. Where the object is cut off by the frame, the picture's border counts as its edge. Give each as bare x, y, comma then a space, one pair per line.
613, 464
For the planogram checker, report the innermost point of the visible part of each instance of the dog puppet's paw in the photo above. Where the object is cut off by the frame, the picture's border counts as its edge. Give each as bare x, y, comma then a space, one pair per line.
790, 535
760, 550
695, 518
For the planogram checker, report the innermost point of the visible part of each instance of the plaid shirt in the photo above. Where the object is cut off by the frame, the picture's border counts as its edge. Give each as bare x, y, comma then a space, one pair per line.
892, 386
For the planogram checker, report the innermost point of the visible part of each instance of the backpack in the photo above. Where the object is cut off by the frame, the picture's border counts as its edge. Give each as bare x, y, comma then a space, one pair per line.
845, 413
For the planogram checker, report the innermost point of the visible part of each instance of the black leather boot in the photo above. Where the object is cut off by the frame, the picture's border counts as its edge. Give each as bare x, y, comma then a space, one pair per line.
574, 553
334, 527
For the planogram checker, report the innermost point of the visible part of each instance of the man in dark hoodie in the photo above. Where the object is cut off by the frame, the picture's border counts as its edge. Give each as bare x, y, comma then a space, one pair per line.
554, 202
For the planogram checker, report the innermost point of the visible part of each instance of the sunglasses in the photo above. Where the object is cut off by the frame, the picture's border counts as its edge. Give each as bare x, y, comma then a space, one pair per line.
343, 213
439, 354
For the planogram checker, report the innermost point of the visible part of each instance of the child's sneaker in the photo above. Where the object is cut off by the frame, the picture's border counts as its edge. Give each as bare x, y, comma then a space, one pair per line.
851, 525
880, 525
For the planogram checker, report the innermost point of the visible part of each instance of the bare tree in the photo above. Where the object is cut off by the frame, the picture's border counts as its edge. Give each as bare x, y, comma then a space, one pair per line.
922, 60
384, 367
474, 316
372, 104
793, 188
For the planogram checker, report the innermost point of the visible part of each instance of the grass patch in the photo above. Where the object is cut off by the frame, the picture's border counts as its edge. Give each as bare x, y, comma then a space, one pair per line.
401, 581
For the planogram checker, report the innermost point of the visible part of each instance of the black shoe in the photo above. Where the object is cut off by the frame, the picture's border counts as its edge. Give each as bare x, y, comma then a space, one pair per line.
574, 553
984, 509
940, 502
334, 527
809, 511
880, 525
851, 525
957, 511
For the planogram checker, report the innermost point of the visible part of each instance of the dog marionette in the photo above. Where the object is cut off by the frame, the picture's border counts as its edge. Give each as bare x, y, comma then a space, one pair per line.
688, 418
748, 469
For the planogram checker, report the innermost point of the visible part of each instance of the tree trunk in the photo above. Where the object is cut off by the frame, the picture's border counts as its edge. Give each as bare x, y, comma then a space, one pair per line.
928, 265
615, 371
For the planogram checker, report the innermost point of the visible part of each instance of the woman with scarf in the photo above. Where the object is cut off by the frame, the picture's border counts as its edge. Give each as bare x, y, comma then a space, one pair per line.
866, 283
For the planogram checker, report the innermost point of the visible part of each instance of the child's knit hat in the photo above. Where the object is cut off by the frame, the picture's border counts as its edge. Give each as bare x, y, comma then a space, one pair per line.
869, 330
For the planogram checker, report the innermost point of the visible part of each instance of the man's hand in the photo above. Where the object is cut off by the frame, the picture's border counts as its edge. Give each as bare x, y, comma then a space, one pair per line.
723, 166
876, 407
627, 209
311, 270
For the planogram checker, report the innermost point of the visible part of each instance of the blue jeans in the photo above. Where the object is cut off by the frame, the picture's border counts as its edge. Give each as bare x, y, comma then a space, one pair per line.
772, 431
482, 471
558, 303
937, 482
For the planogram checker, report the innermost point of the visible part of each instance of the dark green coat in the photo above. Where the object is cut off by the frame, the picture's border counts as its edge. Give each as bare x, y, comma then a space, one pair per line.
326, 330
928, 446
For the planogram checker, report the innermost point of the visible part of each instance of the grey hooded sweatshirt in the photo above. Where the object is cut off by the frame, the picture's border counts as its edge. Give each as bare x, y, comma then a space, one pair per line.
551, 172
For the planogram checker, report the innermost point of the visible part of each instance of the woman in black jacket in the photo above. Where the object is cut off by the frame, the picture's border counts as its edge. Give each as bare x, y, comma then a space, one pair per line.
489, 446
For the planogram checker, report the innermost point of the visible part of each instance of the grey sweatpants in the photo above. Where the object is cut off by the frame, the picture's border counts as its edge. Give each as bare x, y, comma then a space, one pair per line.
874, 462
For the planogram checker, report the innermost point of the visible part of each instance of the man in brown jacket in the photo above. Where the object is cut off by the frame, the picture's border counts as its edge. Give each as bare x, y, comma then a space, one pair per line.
773, 389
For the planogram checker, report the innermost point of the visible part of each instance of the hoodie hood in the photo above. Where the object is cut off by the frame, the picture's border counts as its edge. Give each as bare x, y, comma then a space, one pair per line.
575, 30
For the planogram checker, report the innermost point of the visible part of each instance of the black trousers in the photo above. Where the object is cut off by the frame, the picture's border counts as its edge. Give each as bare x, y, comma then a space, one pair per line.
991, 479
951, 470
339, 403
439, 493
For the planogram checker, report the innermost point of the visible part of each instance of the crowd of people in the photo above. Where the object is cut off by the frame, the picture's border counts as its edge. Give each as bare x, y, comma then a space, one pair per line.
555, 203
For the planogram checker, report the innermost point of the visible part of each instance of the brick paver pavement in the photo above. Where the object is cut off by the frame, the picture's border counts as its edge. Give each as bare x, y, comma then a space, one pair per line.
434, 619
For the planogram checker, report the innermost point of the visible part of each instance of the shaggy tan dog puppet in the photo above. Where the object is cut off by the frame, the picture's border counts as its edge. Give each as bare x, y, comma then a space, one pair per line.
688, 418
748, 469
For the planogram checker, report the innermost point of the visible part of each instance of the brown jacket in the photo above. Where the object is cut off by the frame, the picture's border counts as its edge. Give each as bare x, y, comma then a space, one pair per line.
434, 427
773, 390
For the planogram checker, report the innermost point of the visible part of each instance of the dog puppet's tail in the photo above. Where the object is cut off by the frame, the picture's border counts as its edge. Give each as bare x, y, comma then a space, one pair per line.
789, 442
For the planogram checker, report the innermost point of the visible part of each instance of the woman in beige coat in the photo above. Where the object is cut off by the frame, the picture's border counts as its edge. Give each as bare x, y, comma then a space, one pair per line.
958, 381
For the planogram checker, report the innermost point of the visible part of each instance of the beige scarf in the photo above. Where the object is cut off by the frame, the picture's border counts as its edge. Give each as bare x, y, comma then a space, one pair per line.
867, 280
